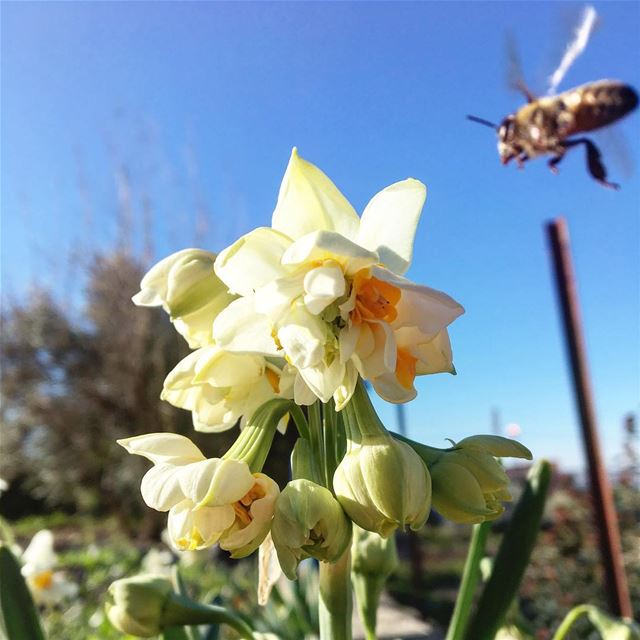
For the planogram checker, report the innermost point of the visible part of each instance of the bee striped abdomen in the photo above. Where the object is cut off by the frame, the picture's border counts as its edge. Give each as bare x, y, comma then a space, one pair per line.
598, 104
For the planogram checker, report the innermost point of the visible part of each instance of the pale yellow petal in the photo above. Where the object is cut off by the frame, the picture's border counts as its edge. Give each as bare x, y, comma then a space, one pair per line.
389, 223
168, 448
308, 201
252, 261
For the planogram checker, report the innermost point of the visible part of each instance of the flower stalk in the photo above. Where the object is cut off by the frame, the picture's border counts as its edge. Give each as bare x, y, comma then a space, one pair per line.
335, 602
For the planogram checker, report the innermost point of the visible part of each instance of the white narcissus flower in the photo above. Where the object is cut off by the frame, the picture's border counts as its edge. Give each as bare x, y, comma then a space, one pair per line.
185, 285
324, 289
209, 500
48, 586
220, 387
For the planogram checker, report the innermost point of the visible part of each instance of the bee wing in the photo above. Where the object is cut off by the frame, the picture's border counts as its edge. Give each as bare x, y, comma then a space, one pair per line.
578, 42
515, 76
615, 146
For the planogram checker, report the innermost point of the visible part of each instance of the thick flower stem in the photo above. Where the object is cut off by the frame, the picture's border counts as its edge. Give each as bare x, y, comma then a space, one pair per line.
368, 589
361, 418
335, 604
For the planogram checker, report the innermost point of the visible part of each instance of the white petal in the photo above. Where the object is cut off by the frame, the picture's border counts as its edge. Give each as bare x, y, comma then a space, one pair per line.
269, 570
322, 286
226, 369
182, 375
239, 328
39, 555
348, 339
329, 245
389, 389
252, 261
160, 486
169, 448
308, 201
382, 357
154, 287
389, 223
216, 481
435, 356
275, 299
303, 337
428, 309
343, 393
324, 379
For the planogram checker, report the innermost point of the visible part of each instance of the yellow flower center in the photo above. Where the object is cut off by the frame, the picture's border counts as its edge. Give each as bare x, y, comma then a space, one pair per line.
405, 368
242, 507
375, 299
192, 541
43, 580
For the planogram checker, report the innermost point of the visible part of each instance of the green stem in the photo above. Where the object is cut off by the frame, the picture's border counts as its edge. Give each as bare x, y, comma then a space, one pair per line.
329, 434
470, 576
368, 588
361, 417
570, 620
316, 439
300, 421
254, 441
182, 611
334, 606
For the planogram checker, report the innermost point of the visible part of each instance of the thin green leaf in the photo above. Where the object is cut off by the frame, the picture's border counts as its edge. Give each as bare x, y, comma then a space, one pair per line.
512, 557
18, 615
469, 582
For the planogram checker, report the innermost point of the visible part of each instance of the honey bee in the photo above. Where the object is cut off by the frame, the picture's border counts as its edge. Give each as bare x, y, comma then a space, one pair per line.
544, 125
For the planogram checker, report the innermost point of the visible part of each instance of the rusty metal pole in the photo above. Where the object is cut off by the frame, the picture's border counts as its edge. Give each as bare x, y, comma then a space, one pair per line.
605, 514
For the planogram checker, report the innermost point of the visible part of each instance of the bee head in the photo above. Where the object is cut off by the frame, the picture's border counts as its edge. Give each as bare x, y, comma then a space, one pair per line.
507, 147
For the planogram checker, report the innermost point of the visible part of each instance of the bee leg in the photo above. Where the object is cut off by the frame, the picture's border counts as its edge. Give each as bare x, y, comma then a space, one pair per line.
554, 162
594, 162
521, 159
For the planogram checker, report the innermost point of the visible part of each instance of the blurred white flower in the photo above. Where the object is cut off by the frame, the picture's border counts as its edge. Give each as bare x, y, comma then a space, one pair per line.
158, 562
48, 586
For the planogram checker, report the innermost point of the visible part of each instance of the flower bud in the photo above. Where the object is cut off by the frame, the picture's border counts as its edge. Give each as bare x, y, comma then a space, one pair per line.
185, 285
144, 606
469, 484
308, 522
138, 605
382, 485
373, 555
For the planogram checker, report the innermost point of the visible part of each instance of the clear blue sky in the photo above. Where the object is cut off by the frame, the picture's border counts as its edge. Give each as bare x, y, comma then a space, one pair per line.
203, 102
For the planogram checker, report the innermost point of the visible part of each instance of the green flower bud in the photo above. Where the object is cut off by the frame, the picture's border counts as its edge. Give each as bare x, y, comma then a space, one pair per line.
144, 606
373, 555
382, 484
138, 605
469, 484
373, 559
308, 522
185, 285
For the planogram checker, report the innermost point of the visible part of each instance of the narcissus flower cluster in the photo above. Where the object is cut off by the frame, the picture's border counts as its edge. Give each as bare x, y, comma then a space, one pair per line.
290, 325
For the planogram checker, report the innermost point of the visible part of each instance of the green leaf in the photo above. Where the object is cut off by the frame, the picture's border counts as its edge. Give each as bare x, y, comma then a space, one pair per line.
469, 582
18, 615
513, 556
